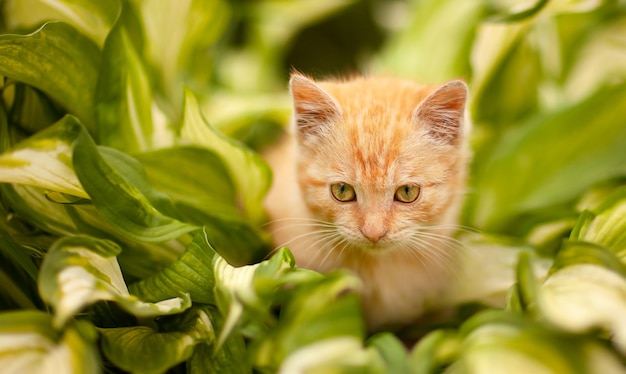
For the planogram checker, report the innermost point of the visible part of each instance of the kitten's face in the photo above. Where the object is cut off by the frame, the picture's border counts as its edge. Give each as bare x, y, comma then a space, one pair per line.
381, 160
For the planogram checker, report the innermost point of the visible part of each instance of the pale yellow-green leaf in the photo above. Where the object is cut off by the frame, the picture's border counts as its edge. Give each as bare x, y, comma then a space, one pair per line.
335, 355
94, 18
28, 344
497, 261
45, 164
80, 271
579, 298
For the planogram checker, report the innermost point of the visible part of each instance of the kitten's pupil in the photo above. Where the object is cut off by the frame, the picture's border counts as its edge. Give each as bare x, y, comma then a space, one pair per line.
407, 193
343, 192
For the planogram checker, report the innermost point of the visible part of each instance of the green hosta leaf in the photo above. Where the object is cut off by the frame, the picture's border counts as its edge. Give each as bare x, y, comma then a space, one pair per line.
141, 349
392, 351
11, 249
44, 160
17, 290
192, 273
65, 160
606, 225
304, 331
502, 58
546, 235
92, 18
44, 210
29, 344
580, 156
28, 108
249, 172
497, 258
581, 298
209, 279
435, 351
255, 119
248, 292
518, 15
190, 175
181, 53
35, 207
502, 342
436, 45
117, 186
343, 354
79, 271
124, 345
599, 42
124, 101
230, 357
57, 60
524, 298
575, 252
203, 193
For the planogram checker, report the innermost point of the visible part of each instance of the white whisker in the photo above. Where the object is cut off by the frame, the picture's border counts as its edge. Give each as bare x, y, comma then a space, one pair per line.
298, 220
334, 242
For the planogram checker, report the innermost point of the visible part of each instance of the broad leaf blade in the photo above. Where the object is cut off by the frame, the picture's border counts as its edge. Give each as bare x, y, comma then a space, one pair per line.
59, 61
435, 45
192, 175
499, 341
503, 57
162, 349
93, 18
192, 273
29, 344
231, 357
124, 100
181, 53
303, 326
249, 172
80, 271
200, 188
435, 351
585, 297
119, 189
44, 160
606, 225
392, 351
518, 179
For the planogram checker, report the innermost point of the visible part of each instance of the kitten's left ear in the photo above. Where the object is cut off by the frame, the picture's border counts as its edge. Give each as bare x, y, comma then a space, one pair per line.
443, 112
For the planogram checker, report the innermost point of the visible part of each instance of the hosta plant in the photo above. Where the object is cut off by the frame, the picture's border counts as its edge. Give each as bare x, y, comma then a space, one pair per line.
132, 233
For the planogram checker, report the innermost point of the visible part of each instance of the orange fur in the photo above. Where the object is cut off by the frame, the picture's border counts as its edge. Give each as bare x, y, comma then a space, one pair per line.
375, 135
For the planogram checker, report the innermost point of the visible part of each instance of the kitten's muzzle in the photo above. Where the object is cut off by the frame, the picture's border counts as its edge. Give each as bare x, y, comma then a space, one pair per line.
373, 234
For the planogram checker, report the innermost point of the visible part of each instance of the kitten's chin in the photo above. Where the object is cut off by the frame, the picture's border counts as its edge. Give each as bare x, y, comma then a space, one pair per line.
374, 248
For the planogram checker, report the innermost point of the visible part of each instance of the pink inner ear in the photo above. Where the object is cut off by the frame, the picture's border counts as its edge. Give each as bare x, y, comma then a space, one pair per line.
443, 111
312, 105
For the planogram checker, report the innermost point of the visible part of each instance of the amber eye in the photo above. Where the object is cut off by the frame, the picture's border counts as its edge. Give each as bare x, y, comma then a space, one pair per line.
343, 192
407, 193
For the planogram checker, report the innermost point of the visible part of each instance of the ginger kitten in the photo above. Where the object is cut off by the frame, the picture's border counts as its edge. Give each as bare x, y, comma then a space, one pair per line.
372, 180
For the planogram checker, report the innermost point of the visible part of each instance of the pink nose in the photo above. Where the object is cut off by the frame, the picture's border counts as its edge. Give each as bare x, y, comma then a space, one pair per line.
373, 234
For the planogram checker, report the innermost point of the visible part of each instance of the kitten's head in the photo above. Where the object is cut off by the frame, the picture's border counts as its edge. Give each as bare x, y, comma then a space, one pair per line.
383, 160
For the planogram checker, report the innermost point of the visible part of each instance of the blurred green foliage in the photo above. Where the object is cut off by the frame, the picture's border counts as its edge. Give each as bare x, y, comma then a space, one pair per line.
131, 223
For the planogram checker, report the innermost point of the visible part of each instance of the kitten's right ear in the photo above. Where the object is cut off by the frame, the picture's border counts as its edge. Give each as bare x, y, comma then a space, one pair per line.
443, 112
313, 107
